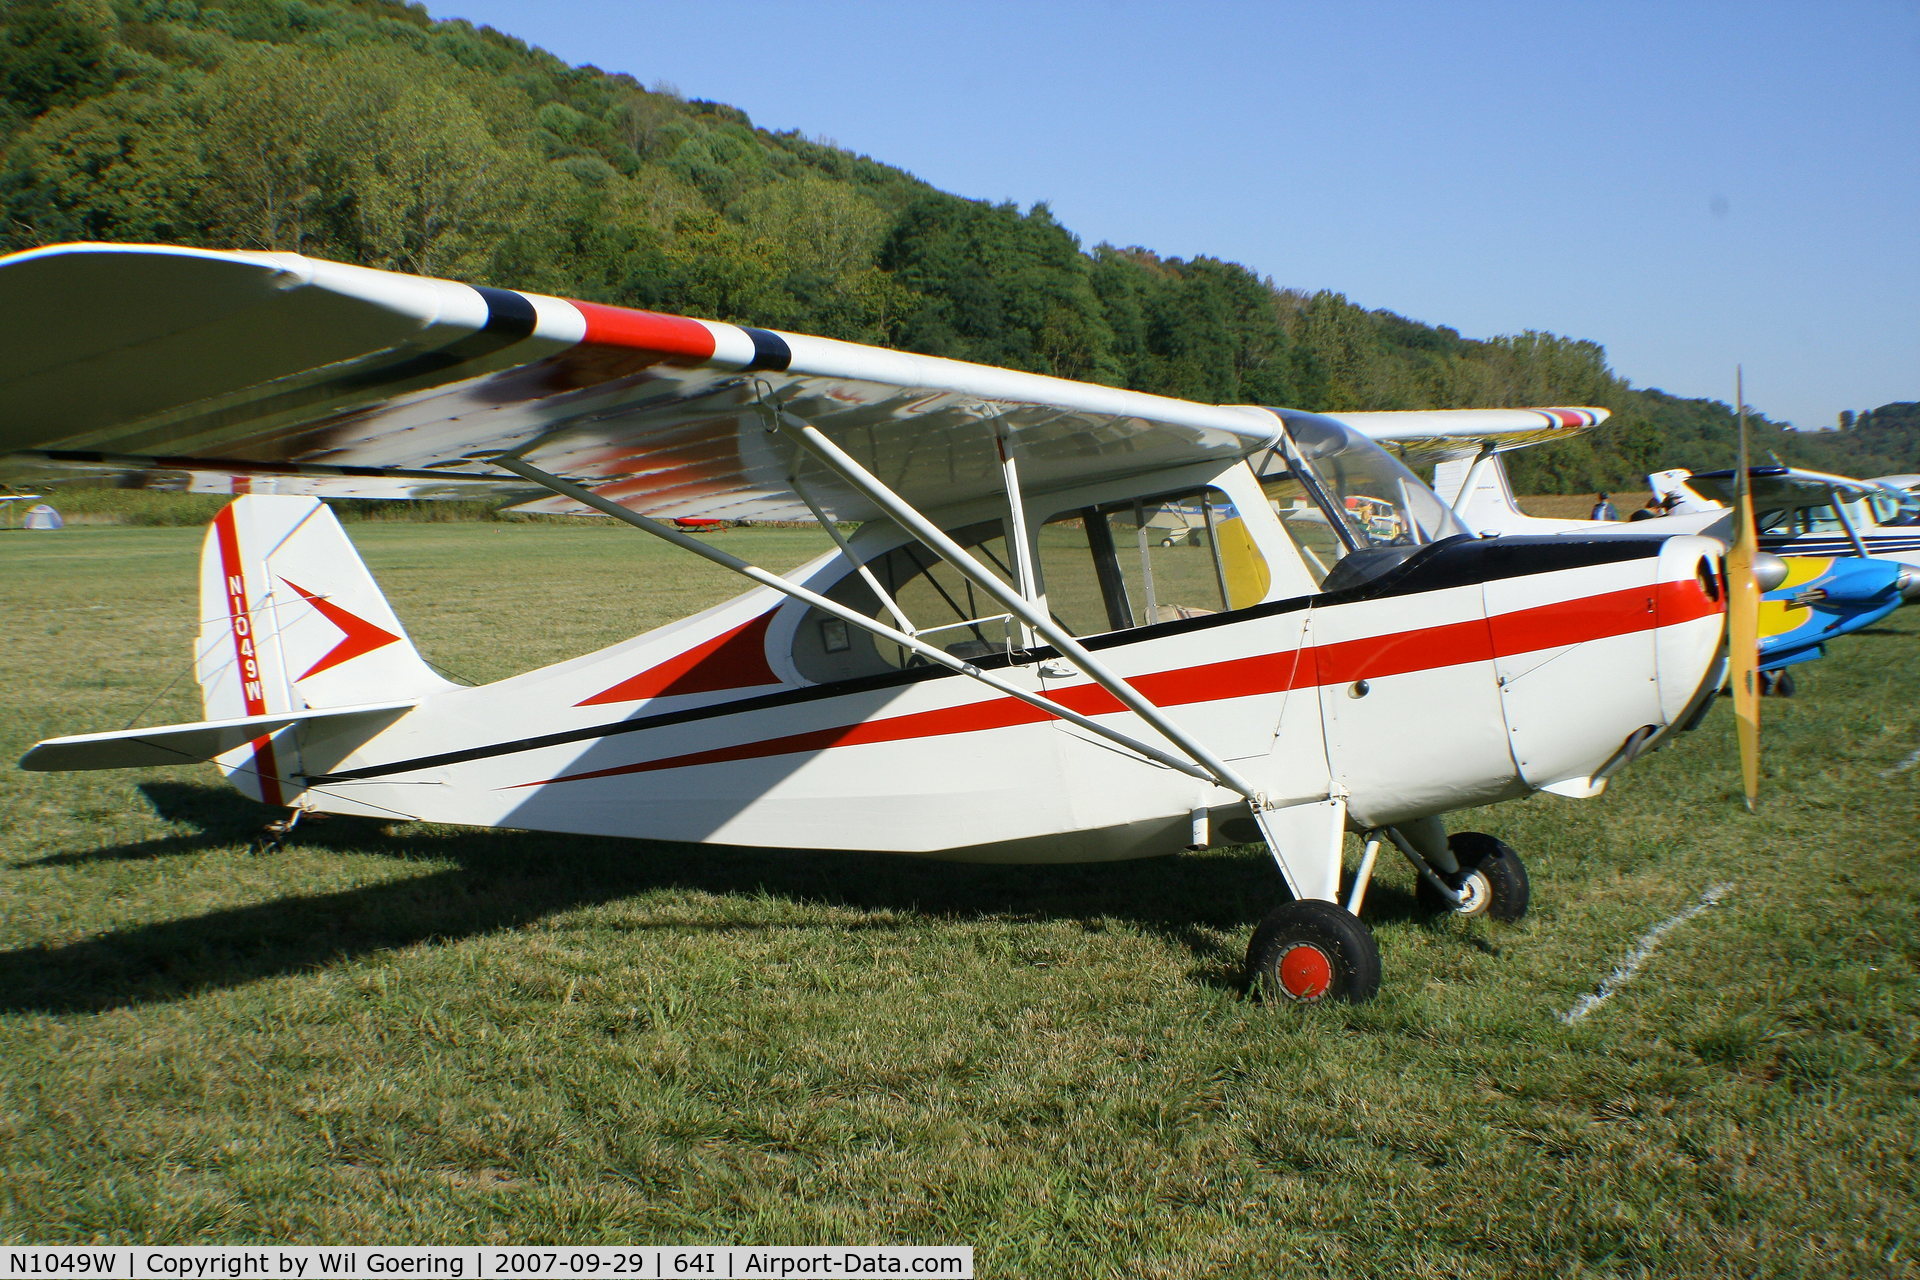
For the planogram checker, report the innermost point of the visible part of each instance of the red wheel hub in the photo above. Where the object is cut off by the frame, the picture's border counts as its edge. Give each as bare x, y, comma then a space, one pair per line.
1305, 971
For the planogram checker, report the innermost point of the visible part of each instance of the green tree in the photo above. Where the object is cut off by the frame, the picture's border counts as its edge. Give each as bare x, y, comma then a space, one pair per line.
992, 284
121, 166
54, 52
269, 119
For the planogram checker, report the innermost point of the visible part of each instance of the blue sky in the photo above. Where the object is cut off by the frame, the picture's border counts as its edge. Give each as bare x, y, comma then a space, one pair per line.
1689, 184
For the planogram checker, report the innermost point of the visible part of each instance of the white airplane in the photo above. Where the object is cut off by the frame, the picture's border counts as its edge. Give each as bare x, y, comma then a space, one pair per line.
1005, 662
1797, 512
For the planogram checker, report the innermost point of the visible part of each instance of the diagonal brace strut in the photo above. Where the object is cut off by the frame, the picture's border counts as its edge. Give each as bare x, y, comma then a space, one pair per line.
907, 517
852, 617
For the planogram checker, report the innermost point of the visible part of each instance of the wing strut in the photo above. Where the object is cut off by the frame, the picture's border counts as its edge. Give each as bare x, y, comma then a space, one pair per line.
853, 617
848, 469
1846, 522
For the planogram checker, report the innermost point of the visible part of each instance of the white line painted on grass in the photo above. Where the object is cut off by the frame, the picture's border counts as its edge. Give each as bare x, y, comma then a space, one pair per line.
1903, 766
1629, 968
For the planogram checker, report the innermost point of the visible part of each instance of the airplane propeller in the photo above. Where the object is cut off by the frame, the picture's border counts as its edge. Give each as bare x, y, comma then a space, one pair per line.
1743, 615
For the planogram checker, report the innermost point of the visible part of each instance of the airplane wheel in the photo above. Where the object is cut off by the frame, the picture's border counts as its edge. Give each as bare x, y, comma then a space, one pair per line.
1313, 951
1777, 684
1492, 879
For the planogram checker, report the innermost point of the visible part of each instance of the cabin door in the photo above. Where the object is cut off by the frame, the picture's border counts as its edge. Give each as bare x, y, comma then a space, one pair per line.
1412, 703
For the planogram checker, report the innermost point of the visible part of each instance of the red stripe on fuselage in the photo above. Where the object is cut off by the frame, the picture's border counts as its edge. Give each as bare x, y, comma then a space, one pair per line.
1548, 626
246, 655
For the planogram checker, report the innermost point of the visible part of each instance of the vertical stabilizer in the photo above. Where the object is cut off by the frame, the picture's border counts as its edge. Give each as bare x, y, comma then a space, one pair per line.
1672, 486
290, 619
1479, 493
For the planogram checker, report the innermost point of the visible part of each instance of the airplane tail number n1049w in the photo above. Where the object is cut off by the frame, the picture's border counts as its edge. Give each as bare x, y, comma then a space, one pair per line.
1075, 622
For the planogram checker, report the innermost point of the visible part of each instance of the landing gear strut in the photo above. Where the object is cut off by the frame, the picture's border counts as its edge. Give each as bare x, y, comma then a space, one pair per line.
1312, 950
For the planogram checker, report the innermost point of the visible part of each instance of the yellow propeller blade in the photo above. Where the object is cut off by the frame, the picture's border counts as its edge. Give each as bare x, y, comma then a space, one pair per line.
1743, 616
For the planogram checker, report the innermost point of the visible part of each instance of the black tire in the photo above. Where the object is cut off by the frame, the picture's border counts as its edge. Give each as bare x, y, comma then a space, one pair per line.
1311, 952
1491, 874
1777, 684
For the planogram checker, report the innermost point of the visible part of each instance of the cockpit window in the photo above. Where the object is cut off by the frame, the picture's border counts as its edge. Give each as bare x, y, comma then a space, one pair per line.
1895, 507
945, 607
1353, 510
1109, 567
1146, 560
1813, 517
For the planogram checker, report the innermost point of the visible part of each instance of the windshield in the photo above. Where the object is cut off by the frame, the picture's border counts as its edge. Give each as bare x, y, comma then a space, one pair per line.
1894, 506
1353, 509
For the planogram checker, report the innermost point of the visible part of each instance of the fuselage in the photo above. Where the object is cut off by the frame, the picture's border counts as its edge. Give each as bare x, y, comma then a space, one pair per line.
1449, 674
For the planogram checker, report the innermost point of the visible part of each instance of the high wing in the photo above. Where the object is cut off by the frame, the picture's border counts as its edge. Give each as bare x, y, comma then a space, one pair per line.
1785, 486
207, 369
1441, 435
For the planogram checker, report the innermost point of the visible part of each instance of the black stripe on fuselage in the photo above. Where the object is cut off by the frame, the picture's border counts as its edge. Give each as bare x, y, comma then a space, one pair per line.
1458, 562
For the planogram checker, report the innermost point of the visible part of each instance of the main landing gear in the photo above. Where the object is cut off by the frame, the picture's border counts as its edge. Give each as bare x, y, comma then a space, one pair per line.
1310, 950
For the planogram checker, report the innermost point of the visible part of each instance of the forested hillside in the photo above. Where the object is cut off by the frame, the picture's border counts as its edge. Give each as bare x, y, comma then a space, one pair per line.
362, 130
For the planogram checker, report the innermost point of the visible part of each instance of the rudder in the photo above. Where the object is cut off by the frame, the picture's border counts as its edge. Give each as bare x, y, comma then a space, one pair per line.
290, 619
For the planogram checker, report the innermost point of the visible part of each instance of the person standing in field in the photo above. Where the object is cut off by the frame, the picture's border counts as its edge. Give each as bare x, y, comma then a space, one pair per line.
1603, 510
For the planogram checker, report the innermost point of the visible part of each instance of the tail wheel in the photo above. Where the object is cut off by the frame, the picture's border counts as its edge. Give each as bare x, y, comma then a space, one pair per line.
1309, 952
1492, 881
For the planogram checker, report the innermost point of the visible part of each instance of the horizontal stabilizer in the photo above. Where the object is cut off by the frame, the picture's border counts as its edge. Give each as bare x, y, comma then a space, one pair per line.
180, 743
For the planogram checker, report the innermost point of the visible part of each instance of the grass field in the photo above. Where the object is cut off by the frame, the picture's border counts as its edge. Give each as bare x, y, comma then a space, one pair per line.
427, 1034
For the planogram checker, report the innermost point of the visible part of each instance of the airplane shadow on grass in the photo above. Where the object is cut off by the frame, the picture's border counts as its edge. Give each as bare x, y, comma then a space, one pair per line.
505, 879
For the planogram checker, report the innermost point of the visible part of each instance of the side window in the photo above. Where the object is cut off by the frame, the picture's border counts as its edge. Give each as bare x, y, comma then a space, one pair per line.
1105, 568
1821, 519
944, 608
1134, 563
1891, 510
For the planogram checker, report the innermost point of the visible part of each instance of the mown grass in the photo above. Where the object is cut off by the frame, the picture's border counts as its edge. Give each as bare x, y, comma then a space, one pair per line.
429, 1034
